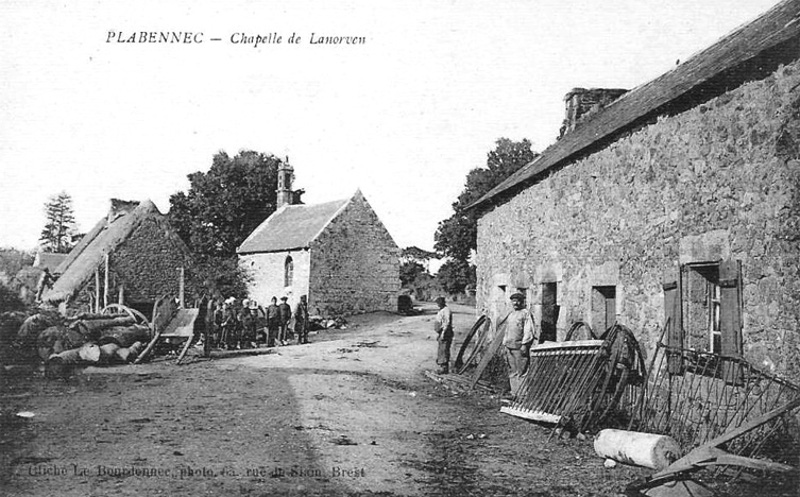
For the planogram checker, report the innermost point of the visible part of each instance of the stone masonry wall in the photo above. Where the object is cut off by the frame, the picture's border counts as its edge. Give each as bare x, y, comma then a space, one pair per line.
723, 177
146, 266
354, 264
147, 263
266, 276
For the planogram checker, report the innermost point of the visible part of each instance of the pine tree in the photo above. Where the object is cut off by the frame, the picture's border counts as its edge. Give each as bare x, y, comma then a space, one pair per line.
60, 224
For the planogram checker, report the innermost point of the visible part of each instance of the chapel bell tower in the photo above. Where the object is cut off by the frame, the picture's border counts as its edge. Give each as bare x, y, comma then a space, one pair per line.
285, 180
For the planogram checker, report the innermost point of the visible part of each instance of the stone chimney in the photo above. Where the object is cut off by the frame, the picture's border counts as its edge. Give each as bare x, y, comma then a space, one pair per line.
285, 179
120, 208
582, 102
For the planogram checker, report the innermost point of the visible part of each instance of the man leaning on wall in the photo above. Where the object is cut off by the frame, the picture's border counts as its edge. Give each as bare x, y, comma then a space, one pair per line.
520, 334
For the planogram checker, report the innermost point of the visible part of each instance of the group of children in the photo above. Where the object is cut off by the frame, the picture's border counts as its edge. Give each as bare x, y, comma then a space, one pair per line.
234, 324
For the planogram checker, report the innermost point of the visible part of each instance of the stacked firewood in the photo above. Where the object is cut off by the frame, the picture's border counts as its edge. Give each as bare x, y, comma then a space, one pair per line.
88, 339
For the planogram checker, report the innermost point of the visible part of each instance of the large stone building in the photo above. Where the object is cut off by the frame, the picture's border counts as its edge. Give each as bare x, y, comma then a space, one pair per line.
685, 190
337, 253
131, 256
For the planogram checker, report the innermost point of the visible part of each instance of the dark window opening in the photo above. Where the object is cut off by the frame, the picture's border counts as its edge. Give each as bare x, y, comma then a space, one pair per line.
604, 308
550, 310
500, 295
288, 271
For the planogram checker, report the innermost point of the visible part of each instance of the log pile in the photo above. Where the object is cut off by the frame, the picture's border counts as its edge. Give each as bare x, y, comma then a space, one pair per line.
88, 339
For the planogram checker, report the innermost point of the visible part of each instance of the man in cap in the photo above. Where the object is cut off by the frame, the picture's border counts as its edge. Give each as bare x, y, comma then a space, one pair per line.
301, 320
443, 326
249, 320
230, 324
273, 321
520, 334
284, 316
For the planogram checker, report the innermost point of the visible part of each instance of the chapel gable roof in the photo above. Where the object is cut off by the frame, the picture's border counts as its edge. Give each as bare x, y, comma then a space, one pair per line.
292, 227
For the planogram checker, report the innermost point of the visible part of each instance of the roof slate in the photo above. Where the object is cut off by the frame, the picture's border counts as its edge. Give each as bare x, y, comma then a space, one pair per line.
777, 28
291, 227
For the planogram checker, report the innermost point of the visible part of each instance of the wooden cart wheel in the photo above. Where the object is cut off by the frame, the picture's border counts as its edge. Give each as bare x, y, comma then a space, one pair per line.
136, 315
471, 343
573, 333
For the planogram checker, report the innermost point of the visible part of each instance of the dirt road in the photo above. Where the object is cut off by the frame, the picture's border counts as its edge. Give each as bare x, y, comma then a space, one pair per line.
350, 414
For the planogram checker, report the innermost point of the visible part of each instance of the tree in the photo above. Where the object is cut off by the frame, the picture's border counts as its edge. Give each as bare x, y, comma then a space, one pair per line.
414, 261
409, 272
220, 209
224, 205
456, 237
60, 224
13, 261
9, 300
417, 254
455, 275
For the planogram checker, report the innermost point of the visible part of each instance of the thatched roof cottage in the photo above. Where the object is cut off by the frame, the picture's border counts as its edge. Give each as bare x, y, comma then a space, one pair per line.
48, 260
132, 255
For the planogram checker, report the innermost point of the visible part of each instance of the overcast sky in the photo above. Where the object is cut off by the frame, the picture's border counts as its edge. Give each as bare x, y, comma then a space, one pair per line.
403, 116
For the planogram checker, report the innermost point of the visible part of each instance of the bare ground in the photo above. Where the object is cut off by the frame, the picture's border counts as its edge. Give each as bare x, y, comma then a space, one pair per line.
350, 414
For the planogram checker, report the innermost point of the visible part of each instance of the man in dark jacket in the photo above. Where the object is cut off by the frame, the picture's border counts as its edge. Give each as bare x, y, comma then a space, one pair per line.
209, 329
230, 325
284, 316
249, 323
273, 321
301, 320
46, 281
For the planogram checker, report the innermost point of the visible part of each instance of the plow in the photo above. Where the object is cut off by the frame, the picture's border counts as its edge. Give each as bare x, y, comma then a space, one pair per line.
721, 413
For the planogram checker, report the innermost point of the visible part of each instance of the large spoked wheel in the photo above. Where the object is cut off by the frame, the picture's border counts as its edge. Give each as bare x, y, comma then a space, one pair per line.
472, 343
580, 331
123, 309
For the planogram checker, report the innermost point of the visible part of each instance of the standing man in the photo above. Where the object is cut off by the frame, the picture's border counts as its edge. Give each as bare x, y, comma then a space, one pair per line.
284, 316
301, 320
273, 321
249, 323
443, 326
46, 281
200, 324
208, 330
243, 324
230, 324
519, 337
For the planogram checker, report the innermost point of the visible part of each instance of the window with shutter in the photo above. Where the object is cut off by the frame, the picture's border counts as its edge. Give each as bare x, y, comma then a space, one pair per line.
703, 311
711, 305
673, 319
730, 320
701, 307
